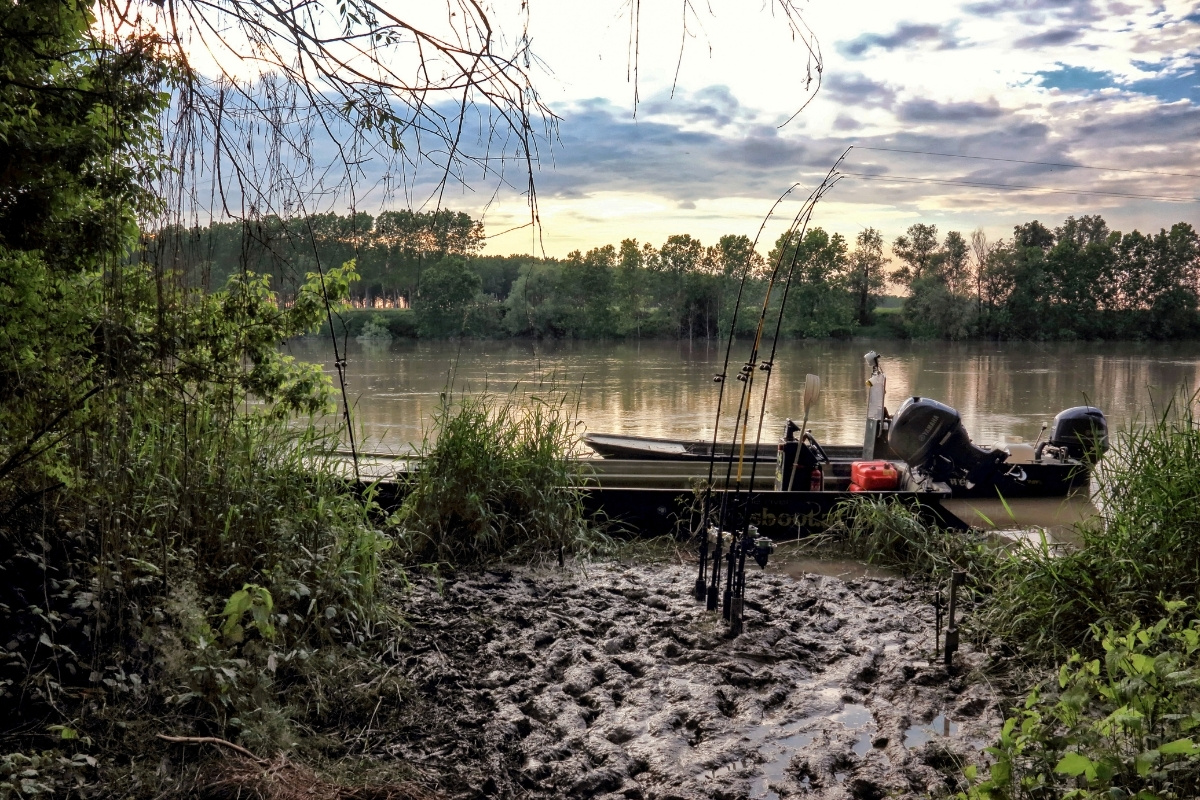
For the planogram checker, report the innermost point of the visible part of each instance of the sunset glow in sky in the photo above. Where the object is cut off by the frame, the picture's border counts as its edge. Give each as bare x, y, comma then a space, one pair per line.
1103, 84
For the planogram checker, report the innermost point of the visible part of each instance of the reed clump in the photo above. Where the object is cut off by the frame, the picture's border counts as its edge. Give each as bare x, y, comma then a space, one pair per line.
885, 532
497, 478
1142, 547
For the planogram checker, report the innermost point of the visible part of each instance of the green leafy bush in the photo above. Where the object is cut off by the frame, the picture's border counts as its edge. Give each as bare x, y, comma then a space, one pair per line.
1120, 726
496, 477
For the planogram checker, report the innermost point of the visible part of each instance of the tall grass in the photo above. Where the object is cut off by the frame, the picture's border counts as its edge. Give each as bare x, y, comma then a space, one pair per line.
1143, 545
223, 499
888, 533
497, 477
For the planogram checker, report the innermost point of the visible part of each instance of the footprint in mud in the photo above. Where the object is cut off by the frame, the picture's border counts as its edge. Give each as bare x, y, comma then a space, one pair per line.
636, 692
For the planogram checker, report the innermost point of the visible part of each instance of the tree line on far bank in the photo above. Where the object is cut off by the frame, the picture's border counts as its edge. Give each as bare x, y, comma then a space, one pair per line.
1079, 280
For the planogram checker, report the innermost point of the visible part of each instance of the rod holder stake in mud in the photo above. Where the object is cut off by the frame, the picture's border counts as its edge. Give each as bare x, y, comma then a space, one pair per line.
709, 537
937, 622
958, 579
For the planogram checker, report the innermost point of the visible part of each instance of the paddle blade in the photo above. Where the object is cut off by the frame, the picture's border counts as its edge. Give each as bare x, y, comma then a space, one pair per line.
812, 390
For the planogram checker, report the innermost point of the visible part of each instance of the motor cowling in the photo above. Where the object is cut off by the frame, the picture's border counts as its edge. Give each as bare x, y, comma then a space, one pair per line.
1081, 431
930, 436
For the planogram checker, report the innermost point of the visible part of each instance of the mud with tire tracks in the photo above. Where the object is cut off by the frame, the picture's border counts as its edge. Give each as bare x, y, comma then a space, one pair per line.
612, 682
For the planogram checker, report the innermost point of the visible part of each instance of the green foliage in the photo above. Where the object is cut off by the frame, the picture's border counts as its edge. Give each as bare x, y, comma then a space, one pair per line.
933, 311
918, 249
888, 533
496, 478
865, 277
154, 441
1140, 547
251, 599
1121, 725
819, 304
1084, 281
1077, 281
450, 303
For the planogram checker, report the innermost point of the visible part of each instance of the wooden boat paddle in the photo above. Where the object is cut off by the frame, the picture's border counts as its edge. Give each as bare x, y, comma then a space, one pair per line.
812, 390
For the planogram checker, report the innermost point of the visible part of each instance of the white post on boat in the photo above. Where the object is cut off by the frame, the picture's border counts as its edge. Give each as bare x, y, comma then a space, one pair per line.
876, 414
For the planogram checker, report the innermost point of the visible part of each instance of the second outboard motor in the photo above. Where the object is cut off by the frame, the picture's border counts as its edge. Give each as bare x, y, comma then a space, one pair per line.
1080, 432
930, 436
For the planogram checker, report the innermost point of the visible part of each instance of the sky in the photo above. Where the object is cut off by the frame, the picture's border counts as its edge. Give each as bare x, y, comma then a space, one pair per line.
921, 97
1080, 82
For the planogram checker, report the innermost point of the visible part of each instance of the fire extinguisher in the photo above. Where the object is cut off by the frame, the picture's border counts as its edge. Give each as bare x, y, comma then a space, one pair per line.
816, 481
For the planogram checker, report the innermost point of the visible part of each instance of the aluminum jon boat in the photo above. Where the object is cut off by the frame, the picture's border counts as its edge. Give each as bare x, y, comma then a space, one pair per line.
925, 439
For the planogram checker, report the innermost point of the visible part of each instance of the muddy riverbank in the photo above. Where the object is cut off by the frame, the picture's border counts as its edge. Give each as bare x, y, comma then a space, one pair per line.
610, 681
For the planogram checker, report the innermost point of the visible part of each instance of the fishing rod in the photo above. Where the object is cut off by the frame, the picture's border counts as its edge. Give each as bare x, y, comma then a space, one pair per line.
746, 375
735, 590
701, 579
831, 179
748, 540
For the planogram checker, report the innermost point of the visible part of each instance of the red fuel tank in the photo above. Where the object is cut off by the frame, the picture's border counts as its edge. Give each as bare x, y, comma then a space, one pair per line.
873, 476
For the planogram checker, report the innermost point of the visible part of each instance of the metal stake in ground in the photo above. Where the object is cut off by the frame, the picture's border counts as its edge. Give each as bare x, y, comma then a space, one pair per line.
958, 579
739, 586
937, 621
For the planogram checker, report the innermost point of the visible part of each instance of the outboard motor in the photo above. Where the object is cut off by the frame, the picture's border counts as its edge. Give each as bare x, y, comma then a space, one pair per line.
930, 436
1080, 432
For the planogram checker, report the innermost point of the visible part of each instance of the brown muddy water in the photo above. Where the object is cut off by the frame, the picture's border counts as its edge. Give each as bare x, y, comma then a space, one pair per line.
1003, 390
610, 681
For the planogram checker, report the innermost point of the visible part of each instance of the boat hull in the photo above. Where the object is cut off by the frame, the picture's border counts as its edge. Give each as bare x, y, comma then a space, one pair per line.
1046, 478
652, 498
779, 515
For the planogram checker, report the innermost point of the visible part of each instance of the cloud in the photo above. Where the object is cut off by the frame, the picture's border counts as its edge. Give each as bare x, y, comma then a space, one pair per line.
712, 105
858, 90
920, 110
905, 35
1052, 38
845, 122
1037, 11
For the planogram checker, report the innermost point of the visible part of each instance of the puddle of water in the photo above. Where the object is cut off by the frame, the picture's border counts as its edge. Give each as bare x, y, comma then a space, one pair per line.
853, 716
760, 789
1058, 515
778, 754
941, 725
798, 566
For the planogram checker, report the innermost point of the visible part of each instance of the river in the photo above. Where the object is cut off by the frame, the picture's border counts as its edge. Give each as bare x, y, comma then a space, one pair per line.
1004, 391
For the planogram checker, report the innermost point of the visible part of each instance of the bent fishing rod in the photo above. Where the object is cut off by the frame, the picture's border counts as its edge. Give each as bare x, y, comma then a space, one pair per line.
701, 578
735, 572
831, 179
735, 587
712, 592
797, 229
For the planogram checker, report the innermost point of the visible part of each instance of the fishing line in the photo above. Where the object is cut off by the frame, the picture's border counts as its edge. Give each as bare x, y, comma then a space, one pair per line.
744, 375
798, 226
831, 180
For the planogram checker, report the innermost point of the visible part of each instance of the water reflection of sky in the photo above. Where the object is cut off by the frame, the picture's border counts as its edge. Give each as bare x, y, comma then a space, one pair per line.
1003, 390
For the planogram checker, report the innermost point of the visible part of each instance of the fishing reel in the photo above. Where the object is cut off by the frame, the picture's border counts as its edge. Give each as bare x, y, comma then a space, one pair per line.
762, 548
